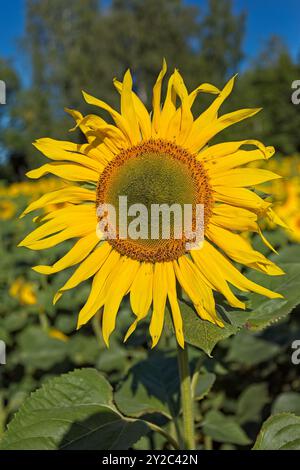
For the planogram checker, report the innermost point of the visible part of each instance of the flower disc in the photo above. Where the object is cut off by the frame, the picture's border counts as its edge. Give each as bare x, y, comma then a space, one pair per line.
154, 173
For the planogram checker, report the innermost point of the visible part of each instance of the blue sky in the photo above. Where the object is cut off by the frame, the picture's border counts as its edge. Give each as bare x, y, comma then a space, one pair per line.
265, 17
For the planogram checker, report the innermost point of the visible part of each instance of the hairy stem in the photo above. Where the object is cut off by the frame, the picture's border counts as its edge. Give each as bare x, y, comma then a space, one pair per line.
186, 399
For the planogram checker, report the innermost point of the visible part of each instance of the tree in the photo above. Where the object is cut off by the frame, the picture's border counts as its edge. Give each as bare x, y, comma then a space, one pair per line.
267, 84
221, 36
145, 32
80, 44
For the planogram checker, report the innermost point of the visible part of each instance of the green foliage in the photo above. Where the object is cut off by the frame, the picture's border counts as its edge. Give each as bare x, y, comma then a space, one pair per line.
249, 375
249, 350
279, 432
73, 411
150, 387
287, 402
251, 403
224, 429
200, 333
204, 385
267, 311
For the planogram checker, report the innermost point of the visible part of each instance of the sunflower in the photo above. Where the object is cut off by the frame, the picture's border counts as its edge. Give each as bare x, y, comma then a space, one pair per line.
162, 157
7, 209
23, 291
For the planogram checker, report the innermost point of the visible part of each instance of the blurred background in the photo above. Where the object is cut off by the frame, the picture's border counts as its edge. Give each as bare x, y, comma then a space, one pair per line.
49, 52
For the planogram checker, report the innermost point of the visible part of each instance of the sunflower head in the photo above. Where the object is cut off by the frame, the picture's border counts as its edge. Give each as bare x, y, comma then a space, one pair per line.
160, 159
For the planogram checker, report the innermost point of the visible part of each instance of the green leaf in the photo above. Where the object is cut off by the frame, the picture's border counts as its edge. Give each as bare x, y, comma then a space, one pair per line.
267, 311
287, 402
204, 384
247, 349
201, 333
251, 402
223, 428
73, 411
279, 432
14, 321
262, 311
151, 386
288, 254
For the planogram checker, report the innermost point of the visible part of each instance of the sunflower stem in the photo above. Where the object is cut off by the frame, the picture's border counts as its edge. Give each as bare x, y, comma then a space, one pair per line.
186, 399
164, 433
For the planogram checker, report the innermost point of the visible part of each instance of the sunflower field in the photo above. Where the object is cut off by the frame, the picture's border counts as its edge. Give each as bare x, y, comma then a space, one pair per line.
121, 344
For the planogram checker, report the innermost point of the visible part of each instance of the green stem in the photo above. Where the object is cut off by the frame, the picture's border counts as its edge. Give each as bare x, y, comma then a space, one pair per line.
208, 444
164, 433
196, 375
96, 321
186, 399
43, 320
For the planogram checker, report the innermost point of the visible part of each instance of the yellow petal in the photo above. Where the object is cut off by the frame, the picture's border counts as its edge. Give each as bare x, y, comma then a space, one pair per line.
95, 148
128, 110
87, 268
169, 108
240, 197
120, 285
234, 218
229, 148
76, 254
141, 111
73, 194
266, 242
97, 130
156, 100
160, 290
208, 266
208, 116
203, 88
198, 289
141, 295
85, 149
233, 275
181, 123
98, 291
211, 113
141, 290
172, 295
227, 162
273, 217
55, 152
198, 141
68, 171
243, 177
70, 232
119, 120
238, 249
79, 216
